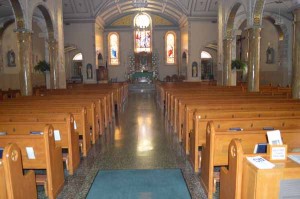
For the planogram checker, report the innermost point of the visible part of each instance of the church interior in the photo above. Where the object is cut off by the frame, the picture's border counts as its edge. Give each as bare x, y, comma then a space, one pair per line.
196, 86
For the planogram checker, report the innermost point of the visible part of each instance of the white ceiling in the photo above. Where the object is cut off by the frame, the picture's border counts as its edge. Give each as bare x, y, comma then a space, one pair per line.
106, 11
109, 10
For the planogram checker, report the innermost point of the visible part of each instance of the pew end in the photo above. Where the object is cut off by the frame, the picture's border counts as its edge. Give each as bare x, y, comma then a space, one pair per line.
13, 183
230, 179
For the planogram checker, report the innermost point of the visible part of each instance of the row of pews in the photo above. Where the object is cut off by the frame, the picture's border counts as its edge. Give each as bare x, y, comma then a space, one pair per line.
52, 129
207, 118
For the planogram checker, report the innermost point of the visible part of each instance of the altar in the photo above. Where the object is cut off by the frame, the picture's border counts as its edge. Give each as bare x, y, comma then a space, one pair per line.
143, 67
142, 77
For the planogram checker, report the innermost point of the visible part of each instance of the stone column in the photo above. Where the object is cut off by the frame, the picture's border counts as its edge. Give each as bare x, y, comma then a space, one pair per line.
296, 56
53, 53
227, 44
220, 69
24, 60
254, 59
1, 56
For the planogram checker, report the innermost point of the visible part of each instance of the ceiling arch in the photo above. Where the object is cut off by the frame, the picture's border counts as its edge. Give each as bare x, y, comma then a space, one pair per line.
110, 10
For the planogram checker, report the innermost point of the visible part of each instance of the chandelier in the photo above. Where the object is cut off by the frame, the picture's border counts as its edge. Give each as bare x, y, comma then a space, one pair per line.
139, 3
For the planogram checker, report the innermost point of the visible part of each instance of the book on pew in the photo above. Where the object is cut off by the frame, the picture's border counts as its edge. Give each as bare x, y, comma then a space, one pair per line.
36, 133
260, 162
260, 148
1, 152
3, 133
274, 137
296, 158
268, 128
235, 129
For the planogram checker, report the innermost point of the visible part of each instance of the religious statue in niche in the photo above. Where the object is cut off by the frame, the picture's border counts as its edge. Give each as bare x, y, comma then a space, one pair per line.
89, 71
194, 69
270, 55
11, 58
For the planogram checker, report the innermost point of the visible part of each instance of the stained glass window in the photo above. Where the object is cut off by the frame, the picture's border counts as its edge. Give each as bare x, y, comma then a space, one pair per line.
170, 47
113, 40
142, 33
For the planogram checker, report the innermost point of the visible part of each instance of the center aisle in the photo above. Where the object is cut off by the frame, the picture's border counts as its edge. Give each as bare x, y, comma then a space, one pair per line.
139, 139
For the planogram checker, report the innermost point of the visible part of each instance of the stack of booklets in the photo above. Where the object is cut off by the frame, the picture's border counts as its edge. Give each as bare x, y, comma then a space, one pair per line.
296, 158
260, 162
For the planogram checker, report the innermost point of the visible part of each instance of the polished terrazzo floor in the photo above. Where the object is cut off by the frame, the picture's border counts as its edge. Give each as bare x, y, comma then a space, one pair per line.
138, 139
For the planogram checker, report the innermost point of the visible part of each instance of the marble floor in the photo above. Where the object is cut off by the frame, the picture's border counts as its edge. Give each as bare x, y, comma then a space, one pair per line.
138, 139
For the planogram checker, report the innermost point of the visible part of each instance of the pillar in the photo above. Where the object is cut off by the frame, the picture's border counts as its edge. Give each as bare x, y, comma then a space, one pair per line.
227, 44
296, 56
24, 60
254, 59
53, 54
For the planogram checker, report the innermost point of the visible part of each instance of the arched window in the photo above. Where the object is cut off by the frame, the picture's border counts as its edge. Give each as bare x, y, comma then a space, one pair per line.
142, 32
205, 55
170, 44
77, 57
113, 41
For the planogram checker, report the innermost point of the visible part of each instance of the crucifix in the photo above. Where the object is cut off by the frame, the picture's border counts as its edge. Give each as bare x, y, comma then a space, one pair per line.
240, 40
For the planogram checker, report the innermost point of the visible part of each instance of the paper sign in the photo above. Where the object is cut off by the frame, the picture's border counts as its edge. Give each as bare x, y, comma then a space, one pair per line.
278, 152
57, 135
274, 137
30, 153
75, 126
260, 162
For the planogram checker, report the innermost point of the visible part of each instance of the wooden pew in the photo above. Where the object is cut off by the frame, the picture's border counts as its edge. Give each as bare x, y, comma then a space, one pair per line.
64, 133
215, 150
197, 136
242, 180
187, 126
62, 104
80, 120
13, 184
231, 178
46, 156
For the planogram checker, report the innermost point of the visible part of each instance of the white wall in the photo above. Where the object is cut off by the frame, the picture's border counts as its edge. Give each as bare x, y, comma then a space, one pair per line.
202, 33
82, 35
184, 40
127, 46
10, 75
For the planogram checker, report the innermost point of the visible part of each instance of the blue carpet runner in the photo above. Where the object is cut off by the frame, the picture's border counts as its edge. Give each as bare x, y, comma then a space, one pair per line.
139, 184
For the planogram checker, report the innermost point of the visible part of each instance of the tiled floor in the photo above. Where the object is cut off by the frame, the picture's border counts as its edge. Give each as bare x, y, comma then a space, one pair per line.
139, 139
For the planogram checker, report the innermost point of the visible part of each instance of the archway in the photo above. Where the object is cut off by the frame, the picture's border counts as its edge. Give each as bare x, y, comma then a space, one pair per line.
77, 66
228, 43
207, 70
10, 11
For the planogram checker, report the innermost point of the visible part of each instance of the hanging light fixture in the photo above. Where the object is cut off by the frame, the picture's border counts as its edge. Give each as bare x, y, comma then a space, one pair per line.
139, 3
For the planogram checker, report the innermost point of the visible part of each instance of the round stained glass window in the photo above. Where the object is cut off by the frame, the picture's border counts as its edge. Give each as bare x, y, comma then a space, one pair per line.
142, 21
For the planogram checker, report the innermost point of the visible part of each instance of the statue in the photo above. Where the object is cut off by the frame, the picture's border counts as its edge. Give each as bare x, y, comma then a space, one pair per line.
89, 71
194, 69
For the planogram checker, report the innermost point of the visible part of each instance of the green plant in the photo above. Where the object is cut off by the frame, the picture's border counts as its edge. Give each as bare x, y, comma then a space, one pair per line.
42, 66
238, 64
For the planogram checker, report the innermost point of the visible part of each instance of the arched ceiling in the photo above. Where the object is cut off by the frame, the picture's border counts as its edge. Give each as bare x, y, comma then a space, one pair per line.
108, 11
176, 11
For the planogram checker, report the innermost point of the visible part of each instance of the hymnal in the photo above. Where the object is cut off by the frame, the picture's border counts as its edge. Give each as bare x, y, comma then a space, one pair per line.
36, 133
260, 148
260, 162
3, 133
235, 129
1, 152
296, 158
268, 128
